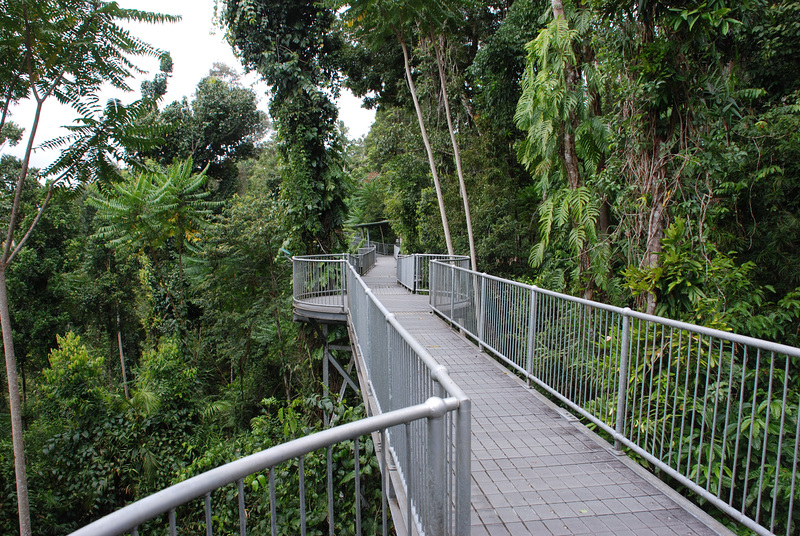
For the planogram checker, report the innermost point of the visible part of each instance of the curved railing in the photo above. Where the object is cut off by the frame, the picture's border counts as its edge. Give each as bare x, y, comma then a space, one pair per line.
400, 372
319, 282
717, 412
428, 417
413, 271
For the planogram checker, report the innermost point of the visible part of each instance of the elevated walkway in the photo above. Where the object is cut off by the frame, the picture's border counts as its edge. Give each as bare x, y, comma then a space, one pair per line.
535, 469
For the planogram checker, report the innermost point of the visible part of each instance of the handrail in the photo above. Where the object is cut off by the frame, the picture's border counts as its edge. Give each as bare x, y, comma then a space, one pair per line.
413, 270
718, 412
400, 372
430, 465
383, 248
166, 501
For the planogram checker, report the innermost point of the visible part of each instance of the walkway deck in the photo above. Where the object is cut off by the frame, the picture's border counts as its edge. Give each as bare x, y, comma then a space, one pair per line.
535, 470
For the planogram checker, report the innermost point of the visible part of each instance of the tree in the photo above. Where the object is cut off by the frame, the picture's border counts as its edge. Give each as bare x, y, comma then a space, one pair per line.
219, 128
379, 21
64, 49
294, 47
155, 209
559, 111
157, 87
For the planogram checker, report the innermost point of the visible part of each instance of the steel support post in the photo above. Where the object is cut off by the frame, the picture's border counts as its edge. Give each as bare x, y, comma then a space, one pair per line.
437, 477
531, 337
482, 314
463, 468
622, 391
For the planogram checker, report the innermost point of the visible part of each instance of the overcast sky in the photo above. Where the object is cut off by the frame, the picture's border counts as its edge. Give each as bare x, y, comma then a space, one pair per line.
195, 44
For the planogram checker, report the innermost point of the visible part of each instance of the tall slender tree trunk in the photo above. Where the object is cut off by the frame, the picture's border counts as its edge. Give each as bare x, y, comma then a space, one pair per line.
656, 221
122, 358
427, 142
456, 151
16, 410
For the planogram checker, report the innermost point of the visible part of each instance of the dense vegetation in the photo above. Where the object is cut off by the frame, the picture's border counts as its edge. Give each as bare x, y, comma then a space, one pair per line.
639, 153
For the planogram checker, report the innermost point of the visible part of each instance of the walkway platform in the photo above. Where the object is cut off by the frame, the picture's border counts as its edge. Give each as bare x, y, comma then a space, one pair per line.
535, 469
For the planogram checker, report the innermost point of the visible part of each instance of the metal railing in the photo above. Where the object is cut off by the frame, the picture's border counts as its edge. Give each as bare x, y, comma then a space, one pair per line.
366, 259
413, 271
401, 372
383, 248
319, 281
419, 428
716, 412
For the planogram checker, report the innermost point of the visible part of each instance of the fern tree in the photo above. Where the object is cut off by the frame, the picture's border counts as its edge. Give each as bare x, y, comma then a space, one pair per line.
155, 209
565, 143
64, 49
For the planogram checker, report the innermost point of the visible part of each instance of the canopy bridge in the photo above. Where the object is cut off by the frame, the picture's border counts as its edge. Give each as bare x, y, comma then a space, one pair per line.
446, 360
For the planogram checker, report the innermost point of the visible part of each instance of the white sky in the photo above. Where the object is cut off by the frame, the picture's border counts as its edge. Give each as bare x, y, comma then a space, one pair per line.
195, 44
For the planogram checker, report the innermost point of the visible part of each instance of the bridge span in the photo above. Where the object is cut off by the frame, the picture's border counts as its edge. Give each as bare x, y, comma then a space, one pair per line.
535, 468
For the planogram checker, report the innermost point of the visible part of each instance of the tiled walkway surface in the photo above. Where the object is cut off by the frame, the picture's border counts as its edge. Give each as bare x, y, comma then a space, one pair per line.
534, 471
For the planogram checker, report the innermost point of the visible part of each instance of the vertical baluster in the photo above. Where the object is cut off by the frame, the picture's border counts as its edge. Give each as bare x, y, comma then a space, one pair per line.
242, 514
410, 480
685, 394
357, 470
384, 485
273, 506
302, 475
790, 512
704, 413
753, 406
531, 335
329, 462
766, 436
711, 451
666, 390
775, 495
738, 431
207, 508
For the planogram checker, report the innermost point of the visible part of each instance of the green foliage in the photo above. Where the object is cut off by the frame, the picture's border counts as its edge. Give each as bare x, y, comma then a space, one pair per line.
699, 284
499, 66
279, 424
72, 387
294, 48
156, 88
153, 208
10, 133
218, 129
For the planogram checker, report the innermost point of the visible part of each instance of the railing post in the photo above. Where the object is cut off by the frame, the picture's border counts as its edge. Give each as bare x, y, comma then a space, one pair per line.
531, 336
622, 391
481, 314
452, 291
436, 465
343, 282
389, 359
417, 272
463, 468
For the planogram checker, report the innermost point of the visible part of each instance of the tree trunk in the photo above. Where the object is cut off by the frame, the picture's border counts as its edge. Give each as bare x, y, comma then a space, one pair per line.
16, 411
427, 142
655, 232
456, 151
122, 358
